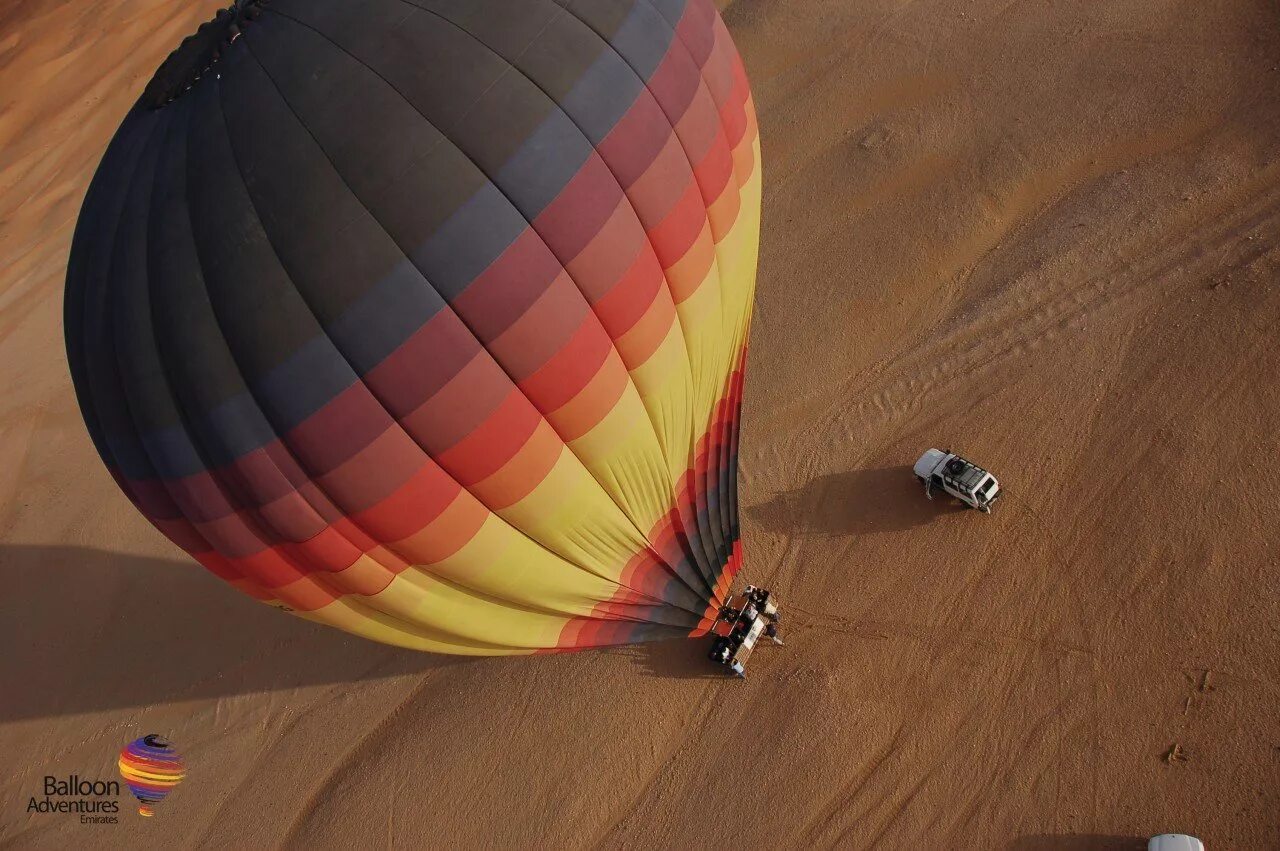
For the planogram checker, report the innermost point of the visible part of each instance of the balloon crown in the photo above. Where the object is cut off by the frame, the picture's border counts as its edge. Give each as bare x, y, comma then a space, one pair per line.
199, 52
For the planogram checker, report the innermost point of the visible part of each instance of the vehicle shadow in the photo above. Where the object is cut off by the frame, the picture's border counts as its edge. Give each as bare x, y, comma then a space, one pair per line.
86, 630
856, 502
1078, 842
679, 658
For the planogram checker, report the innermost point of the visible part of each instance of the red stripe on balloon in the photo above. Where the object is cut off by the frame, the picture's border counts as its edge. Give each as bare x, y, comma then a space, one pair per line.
494, 442
570, 369
677, 233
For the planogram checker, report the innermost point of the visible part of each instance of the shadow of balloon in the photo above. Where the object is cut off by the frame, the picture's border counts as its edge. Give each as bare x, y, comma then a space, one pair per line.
85, 630
856, 502
1078, 842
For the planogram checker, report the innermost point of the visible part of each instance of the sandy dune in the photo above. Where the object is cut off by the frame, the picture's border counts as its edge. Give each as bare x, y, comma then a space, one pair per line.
1043, 233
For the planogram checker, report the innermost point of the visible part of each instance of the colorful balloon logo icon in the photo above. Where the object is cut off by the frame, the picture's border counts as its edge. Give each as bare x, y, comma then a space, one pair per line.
151, 768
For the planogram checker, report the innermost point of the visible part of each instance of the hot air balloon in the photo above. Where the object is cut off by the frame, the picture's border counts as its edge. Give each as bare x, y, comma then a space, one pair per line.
150, 768
426, 319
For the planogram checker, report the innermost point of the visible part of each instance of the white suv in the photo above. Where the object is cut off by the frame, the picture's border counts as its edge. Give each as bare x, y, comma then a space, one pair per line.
943, 470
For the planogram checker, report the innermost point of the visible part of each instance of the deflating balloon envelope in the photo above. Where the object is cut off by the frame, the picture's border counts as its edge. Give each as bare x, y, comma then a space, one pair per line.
426, 319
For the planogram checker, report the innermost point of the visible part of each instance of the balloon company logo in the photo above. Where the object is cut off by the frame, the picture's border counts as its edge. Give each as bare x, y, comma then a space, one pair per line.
150, 768
94, 800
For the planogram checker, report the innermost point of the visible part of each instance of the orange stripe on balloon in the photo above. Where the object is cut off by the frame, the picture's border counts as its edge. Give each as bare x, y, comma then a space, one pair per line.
307, 593
366, 576
723, 212
744, 163
446, 534
586, 410
688, 275
524, 472
646, 336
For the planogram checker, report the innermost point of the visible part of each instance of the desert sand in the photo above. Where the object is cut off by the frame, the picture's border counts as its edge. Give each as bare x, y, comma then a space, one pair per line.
1042, 233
